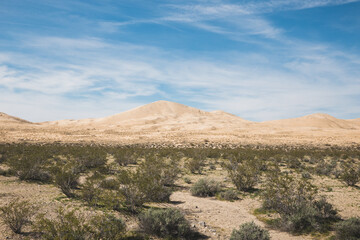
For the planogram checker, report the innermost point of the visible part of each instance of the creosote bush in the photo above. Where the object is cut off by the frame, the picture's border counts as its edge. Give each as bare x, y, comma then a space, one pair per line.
244, 174
17, 214
250, 231
205, 187
300, 209
348, 229
165, 223
150, 182
66, 178
229, 195
350, 174
31, 166
70, 225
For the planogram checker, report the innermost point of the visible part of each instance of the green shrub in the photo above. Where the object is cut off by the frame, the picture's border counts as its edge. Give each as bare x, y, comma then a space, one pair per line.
66, 178
297, 203
165, 223
149, 183
31, 166
187, 180
350, 174
110, 184
244, 175
195, 165
250, 231
90, 192
229, 195
107, 227
205, 187
348, 229
17, 214
125, 157
66, 225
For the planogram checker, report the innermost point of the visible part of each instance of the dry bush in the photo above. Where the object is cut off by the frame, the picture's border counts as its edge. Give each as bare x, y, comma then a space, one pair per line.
244, 174
348, 229
169, 223
350, 174
71, 225
250, 231
17, 214
296, 201
66, 178
205, 187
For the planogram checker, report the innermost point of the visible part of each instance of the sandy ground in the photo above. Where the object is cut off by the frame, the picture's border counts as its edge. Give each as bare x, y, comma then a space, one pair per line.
217, 219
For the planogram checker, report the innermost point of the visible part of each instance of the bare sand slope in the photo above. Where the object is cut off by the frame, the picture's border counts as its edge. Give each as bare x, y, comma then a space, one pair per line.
160, 115
8, 119
314, 121
164, 122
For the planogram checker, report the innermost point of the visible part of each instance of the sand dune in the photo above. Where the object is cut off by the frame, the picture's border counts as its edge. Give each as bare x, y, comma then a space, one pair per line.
6, 119
169, 122
160, 115
317, 121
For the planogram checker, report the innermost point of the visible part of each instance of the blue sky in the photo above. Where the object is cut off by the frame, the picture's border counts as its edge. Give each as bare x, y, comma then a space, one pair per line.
261, 60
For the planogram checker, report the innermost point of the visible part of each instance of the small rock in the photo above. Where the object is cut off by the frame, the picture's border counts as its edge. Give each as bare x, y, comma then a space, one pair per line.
203, 224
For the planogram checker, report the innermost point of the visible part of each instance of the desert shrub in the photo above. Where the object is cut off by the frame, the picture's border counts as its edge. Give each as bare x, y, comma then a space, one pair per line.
66, 225
17, 214
107, 227
205, 187
297, 203
195, 165
294, 163
165, 223
250, 231
89, 157
245, 174
315, 216
90, 192
149, 183
187, 180
306, 175
66, 178
74, 226
125, 157
7, 172
348, 229
229, 195
133, 196
31, 166
325, 168
350, 174
110, 184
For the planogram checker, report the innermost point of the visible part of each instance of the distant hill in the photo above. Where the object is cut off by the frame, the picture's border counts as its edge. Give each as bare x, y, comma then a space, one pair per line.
6, 119
317, 120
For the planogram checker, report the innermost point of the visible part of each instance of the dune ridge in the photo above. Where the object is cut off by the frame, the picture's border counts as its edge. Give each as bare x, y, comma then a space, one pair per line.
169, 122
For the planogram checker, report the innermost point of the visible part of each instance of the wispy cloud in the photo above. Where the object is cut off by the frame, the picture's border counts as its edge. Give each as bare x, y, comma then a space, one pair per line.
47, 76
100, 72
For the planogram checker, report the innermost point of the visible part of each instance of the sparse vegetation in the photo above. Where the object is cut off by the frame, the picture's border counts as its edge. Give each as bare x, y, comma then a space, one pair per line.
128, 179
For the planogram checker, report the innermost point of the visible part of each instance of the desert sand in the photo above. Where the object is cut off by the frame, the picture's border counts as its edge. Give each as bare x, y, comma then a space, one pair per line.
169, 123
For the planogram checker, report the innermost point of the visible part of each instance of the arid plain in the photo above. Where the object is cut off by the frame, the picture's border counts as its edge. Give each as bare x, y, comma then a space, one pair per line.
164, 124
